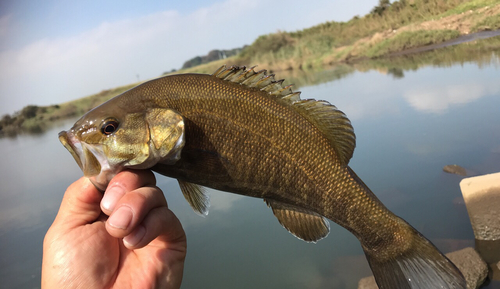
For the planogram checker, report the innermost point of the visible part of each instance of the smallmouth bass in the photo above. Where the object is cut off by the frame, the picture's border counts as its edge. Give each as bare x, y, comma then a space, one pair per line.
241, 131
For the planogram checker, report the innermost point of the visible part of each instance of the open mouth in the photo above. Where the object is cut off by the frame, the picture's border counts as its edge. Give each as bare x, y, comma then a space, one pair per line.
83, 154
73, 146
90, 158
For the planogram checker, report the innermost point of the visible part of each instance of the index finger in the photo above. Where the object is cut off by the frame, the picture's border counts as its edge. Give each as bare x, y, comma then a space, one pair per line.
123, 182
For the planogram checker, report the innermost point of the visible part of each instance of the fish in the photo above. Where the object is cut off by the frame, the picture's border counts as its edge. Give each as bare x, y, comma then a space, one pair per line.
240, 130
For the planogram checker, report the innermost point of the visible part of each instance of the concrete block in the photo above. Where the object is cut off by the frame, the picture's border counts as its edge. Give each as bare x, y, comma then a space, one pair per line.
482, 199
472, 266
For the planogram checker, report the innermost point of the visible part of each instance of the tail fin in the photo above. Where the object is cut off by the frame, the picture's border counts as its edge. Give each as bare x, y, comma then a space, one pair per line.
420, 267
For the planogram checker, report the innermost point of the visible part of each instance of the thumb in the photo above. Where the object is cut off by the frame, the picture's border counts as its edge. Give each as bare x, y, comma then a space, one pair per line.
80, 204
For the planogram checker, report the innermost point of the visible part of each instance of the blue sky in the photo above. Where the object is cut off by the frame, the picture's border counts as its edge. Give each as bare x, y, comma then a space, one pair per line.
54, 51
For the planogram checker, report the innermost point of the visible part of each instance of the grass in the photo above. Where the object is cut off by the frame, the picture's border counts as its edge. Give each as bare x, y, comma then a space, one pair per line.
411, 39
470, 5
479, 52
333, 42
489, 23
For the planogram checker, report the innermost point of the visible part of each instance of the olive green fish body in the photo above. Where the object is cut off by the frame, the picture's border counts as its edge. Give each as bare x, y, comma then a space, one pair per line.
243, 132
232, 146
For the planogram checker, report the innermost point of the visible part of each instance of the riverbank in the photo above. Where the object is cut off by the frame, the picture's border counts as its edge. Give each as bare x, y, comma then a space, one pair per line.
375, 40
35, 119
399, 28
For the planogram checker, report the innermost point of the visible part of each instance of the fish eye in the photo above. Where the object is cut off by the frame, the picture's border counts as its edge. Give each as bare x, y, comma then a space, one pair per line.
109, 126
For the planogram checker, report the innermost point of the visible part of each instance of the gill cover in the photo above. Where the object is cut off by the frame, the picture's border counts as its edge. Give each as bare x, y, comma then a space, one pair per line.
166, 135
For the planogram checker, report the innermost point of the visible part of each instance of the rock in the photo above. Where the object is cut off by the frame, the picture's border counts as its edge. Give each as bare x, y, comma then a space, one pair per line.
482, 199
489, 250
367, 283
455, 169
467, 260
474, 269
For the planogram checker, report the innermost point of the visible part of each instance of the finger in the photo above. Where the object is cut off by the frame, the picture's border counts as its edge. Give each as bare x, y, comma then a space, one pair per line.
160, 223
132, 208
122, 183
80, 204
162, 231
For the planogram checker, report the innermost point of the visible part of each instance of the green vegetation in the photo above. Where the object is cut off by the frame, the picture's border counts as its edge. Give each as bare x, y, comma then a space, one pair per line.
470, 5
211, 56
311, 44
489, 23
480, 52
389, 27
35, 119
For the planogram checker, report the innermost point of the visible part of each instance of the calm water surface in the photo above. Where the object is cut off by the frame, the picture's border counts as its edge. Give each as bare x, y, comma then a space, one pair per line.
408, 127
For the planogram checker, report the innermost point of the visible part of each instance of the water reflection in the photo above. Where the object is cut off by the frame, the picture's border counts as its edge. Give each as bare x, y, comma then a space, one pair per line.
482, 54
438, 99
411, 118
33, 175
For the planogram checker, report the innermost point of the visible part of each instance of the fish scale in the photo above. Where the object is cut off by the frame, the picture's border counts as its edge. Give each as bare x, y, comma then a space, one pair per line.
240, 131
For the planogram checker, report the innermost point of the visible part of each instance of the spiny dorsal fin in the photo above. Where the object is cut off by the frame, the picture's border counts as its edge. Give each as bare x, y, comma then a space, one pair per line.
332, 122
196, 197
257, 79
303, 224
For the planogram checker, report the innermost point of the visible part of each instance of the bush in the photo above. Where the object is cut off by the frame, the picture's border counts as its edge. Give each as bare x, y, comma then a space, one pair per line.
6, 120
382, 6
29, 111
269, 43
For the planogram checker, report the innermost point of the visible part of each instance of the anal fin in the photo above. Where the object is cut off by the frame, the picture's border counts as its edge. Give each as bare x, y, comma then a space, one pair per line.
196, 197
306, 225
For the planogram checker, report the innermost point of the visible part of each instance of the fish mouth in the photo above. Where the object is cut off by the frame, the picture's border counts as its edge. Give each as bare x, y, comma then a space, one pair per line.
89, 158
73, 145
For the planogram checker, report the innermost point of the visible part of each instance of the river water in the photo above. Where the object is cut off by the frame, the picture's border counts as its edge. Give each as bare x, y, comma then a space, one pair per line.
410, 121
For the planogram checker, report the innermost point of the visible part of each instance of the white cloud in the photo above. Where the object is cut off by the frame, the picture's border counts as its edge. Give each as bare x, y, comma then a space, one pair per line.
223, 201
369, 100
438, 99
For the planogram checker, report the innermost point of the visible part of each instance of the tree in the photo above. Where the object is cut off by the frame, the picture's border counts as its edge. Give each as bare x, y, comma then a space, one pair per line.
382, 6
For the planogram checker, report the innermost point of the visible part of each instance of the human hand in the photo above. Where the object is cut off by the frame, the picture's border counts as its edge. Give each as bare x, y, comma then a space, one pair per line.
140, 245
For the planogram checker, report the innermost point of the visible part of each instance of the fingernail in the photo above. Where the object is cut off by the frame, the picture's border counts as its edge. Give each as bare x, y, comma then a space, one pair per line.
134, 238
121, 218
111, 197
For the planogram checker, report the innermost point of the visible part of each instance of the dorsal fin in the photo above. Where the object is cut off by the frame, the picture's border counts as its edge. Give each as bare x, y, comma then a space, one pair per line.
332, 122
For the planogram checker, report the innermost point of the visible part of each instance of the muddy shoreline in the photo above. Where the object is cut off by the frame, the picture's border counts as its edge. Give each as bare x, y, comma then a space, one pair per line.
455, 41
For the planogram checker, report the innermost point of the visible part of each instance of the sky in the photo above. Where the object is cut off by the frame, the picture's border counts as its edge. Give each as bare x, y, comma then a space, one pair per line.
55, 51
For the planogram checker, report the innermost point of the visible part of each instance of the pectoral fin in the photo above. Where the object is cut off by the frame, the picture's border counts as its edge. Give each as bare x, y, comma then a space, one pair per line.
303, 224
196, 197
